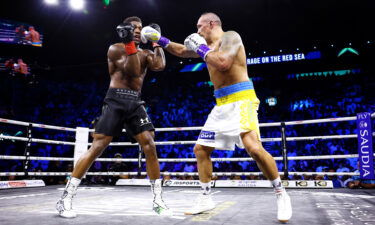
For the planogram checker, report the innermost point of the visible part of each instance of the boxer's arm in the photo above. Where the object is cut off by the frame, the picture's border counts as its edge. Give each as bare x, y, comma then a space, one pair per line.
180, 50
132, 63
156, 59
224, 57
149, 33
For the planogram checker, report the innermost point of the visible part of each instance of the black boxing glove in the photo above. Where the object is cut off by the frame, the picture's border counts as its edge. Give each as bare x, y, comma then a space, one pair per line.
126, 33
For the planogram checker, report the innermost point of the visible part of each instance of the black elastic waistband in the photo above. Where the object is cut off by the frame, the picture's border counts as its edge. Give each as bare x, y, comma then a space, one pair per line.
123, 93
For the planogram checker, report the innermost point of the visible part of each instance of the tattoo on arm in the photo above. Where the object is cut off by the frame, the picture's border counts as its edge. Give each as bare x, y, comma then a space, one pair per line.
230, 43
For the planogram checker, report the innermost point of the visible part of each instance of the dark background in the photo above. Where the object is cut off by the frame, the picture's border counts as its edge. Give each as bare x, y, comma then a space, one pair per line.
79, 38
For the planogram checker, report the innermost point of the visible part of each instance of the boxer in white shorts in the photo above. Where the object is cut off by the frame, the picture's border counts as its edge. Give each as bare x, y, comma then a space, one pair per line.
234, 118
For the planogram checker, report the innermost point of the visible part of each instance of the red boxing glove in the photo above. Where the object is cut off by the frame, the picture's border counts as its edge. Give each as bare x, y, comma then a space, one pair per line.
130, 48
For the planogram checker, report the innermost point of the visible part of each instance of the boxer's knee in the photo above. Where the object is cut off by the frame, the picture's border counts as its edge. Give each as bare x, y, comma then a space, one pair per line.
99, 144
255, 150
149, 147
201, 152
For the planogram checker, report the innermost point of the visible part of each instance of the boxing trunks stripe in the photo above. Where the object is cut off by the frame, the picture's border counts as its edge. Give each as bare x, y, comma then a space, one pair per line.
236, 92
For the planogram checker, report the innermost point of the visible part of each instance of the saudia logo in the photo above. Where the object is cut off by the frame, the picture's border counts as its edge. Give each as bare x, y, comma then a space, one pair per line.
362, 116
365, 158
362, 124
365, 145
207, 135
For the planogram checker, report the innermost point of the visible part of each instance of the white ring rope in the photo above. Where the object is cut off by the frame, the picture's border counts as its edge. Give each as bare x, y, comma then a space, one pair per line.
15, 122
273, 124
13, 138
36, 140
175, 173
308, 138
311, 138
243, 159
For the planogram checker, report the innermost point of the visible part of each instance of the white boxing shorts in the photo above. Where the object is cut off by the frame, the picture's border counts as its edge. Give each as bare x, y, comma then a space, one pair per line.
236, 112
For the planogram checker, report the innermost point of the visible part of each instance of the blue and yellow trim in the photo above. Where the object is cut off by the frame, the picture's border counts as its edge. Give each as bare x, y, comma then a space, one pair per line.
37, 44
236, 92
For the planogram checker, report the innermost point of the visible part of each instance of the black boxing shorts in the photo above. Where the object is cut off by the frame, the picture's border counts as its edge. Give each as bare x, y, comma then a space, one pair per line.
123, 108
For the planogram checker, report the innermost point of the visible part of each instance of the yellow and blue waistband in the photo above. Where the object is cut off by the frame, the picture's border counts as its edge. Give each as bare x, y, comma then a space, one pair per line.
236, 92
38, 44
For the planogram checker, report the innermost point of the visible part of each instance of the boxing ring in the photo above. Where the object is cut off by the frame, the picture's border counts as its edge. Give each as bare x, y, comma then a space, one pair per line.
314, 202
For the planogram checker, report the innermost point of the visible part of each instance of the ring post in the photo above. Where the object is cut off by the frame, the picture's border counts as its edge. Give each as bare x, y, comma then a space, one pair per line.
284, 151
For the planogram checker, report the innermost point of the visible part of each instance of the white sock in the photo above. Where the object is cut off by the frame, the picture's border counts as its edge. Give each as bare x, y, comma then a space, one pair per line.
206, 188
71, 186
277, 185
75, 181
156, 187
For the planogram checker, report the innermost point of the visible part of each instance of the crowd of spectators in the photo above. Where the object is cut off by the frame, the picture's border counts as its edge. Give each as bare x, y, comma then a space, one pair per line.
77, 104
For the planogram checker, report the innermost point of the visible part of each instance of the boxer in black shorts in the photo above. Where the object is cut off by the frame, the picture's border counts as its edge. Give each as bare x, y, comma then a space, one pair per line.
123, 108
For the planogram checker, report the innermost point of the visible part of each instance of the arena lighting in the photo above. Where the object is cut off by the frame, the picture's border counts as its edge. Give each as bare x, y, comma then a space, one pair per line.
351, 50
77, 4
51, 2
106, 2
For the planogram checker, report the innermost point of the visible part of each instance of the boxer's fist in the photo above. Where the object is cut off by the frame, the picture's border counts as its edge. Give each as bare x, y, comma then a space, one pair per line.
149, 33
126, 32
193, 41
156, 27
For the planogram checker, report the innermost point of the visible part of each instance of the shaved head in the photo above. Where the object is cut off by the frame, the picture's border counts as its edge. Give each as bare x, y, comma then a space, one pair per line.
210, 16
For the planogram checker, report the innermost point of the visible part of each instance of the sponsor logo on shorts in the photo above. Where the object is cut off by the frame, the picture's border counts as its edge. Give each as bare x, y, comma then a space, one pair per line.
207, 135
145, 121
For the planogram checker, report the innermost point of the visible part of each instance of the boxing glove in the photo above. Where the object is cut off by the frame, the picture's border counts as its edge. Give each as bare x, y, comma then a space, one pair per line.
195, 42
126, 33
153, 33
